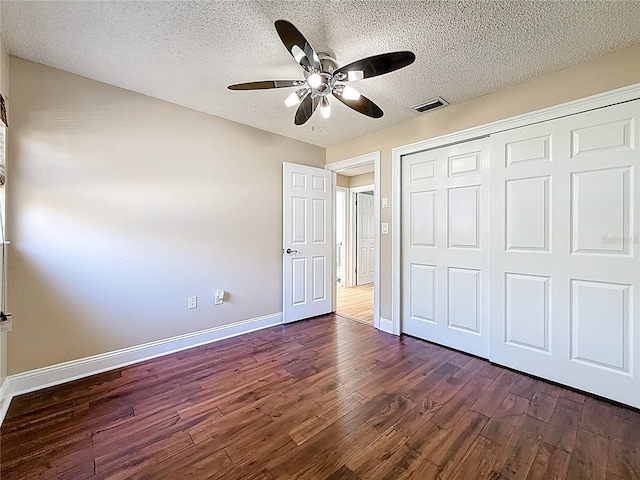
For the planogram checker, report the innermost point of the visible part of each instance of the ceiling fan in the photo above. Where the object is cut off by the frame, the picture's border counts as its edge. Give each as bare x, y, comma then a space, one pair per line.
323, 78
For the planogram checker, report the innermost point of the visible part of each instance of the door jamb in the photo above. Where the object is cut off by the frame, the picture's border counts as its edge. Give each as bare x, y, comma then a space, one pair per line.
336, 167
347, 222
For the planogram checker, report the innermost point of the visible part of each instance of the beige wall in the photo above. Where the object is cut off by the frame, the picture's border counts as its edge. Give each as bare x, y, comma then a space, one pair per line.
121, 206
342, 181
354, 181
605, 73
360, 180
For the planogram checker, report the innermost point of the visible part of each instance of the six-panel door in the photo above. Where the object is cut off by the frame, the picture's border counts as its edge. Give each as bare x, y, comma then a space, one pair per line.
564, 257
445, 245
307, 240
366, 239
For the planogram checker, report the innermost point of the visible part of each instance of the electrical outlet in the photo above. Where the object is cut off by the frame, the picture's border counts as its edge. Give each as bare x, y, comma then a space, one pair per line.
192, 302
219, 297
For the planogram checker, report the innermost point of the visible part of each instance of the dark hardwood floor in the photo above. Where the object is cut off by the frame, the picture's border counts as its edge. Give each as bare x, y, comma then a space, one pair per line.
326, 398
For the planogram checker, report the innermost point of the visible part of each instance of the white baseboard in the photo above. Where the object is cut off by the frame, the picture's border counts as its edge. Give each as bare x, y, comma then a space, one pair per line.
386, 325
5, 400
65, 372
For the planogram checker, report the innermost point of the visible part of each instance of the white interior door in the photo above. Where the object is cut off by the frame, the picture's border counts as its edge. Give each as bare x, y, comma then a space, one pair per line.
564, 268
366, 238
445, 246
307, 242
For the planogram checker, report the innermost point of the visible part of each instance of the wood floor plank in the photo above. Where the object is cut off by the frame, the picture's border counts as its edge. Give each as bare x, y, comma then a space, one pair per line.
419, 469
445, 447
374, 455
332, 413
596, 417
327, 460
461, 402
589, 457
624, 446
390, 414
526, 387
478, 461
542, 406
194, 463
400, 461
351, 425
131, 461
418, 416
517, 458
356, 302
573, 395
344, 473
491, 371
494, 395
550, 463
563, 425
323, 398
507, 417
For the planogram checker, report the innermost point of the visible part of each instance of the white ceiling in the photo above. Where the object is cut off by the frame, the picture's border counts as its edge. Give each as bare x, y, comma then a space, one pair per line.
188, 52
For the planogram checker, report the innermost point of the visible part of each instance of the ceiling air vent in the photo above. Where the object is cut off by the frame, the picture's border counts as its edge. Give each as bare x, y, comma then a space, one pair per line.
430, 105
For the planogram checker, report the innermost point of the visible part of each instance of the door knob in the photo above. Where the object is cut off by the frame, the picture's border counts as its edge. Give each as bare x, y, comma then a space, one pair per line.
289, 251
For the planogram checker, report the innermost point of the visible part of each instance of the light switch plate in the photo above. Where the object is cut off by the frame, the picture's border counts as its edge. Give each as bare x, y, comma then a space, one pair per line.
385, 202
385, 229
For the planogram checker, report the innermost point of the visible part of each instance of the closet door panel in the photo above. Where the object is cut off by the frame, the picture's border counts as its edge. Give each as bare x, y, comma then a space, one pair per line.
445, 246
565, 272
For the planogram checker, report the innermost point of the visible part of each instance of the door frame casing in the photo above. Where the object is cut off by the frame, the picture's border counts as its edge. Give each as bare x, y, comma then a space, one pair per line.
337, 167
347, 220
624, 94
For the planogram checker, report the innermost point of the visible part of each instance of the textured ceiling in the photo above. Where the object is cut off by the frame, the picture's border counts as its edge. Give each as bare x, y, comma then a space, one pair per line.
188, 52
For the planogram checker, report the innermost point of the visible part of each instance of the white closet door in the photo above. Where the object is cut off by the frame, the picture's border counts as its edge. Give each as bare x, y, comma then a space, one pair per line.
445, 246
564, 261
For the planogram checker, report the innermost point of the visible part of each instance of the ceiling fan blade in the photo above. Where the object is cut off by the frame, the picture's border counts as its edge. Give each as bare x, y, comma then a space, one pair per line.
362, 105
264, 84
306, 108
374, 66
298, 46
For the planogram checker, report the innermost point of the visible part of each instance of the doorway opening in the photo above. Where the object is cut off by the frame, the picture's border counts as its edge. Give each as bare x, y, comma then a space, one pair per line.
356, 222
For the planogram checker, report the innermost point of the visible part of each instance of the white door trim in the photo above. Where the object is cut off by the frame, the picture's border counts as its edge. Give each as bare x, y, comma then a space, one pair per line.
373, 157
345, 247
624, 94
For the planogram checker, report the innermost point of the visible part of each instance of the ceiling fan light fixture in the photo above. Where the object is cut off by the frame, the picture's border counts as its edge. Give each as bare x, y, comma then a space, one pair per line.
292, 100
314, 80
295, 98
350, 93
353, 75
321, 77
297, 53
325, 107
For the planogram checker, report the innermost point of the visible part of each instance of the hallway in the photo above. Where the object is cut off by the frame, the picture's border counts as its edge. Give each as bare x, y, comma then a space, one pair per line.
356, 303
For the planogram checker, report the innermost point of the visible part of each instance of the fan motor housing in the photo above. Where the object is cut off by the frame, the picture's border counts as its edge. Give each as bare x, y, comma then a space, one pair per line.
328, 63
